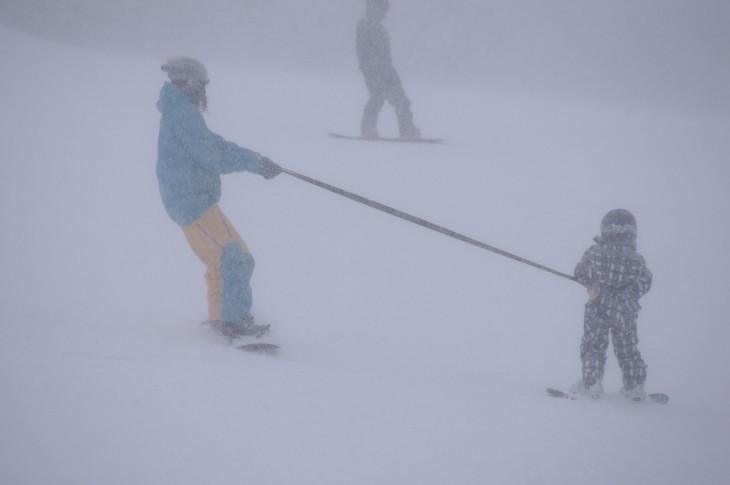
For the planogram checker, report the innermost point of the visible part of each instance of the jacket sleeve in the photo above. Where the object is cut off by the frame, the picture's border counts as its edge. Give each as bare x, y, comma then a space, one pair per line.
584, 271
211, 151
643, 283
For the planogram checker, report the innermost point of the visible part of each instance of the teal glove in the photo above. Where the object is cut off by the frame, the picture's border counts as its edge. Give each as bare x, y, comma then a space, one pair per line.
269, 169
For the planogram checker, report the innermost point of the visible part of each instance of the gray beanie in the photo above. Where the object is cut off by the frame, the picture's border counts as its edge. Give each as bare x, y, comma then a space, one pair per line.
378, 4
185, 69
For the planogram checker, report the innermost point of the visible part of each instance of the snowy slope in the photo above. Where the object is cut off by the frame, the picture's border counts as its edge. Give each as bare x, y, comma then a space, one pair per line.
409, 357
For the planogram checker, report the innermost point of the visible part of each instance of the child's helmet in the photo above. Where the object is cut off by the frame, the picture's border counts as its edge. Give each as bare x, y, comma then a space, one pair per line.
619, 225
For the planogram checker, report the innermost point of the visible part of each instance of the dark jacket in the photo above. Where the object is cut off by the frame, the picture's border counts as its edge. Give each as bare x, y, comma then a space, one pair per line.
373, 47
619, 274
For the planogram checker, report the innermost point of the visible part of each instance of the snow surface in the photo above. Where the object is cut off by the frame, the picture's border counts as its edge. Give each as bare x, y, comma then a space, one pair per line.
408, 357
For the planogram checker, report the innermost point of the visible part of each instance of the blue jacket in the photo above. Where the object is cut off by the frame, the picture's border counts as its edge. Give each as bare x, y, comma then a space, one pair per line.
191, 158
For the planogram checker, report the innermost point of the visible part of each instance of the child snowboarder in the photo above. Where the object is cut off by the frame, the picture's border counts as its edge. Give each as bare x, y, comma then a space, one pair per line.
616, 277
190, 162
381, 78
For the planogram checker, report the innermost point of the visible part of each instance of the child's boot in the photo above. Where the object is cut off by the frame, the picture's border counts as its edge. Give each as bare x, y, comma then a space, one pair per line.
583, 390
636, 393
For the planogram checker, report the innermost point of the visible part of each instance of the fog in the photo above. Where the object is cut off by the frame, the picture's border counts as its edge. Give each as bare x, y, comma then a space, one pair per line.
406, 356
659, 55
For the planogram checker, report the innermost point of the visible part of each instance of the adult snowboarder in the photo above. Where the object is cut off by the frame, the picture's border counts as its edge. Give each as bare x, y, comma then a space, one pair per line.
190, 161
381, 78
616, 277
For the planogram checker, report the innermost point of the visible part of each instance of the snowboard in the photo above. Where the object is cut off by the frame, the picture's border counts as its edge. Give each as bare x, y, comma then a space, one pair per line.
256, 331
655, 398
260, 348
388, 139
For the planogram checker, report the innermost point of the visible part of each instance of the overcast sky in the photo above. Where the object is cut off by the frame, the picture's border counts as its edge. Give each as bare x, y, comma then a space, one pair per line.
660, 54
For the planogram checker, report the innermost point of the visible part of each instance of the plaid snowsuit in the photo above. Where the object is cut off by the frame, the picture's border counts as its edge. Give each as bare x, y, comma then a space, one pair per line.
620, 276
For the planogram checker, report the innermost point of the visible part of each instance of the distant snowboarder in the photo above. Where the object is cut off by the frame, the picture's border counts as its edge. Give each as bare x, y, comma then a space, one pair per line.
381, 78
190, 162
616, 277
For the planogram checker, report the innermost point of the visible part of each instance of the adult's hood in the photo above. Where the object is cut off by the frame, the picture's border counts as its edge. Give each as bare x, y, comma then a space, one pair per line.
170, 98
